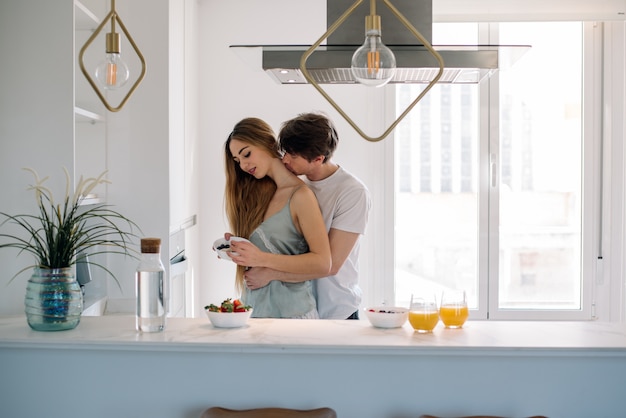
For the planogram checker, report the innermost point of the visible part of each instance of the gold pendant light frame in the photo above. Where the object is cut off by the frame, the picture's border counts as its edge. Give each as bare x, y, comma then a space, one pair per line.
112, 17
333, 28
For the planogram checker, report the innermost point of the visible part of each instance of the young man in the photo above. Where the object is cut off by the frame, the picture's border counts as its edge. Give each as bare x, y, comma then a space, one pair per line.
309, 142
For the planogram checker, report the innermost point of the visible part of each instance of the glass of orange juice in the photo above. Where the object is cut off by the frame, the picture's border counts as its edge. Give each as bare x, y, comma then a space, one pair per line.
423, 313
453, 310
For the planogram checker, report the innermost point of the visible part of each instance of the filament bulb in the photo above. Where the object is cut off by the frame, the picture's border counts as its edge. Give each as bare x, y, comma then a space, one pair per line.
112, 73
373, 64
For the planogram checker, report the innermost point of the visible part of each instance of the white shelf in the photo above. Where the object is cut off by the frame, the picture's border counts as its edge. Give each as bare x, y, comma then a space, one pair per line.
85, 19
84, 115
94, 307
91, 199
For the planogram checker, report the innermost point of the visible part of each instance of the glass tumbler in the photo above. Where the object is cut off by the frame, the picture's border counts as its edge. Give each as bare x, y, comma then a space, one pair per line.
423, 313
453, 310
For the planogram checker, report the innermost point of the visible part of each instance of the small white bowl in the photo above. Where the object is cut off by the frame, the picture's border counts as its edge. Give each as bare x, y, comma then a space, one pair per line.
387, 316
222, 247
228, 319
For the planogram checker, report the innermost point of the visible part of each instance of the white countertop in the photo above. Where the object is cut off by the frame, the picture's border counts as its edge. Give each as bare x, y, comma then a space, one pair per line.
512, 338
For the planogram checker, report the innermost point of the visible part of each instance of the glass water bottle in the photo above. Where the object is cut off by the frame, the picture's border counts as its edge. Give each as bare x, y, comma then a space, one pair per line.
150, 288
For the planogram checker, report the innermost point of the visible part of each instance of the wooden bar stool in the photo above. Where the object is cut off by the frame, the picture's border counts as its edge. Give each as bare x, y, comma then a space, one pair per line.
217, 412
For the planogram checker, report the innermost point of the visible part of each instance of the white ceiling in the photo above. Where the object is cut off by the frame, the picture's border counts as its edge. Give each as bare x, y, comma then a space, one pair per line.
521, 10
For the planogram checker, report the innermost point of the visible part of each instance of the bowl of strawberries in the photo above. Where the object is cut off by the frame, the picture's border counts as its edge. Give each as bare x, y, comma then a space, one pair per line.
231, 313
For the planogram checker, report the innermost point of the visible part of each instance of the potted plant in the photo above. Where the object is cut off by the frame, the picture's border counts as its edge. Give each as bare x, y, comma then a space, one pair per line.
59, 236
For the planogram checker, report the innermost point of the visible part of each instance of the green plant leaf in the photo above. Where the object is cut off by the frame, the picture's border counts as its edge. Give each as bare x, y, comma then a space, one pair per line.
60, 231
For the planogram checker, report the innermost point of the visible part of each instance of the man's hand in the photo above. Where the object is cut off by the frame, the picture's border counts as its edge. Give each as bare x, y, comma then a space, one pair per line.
258, 277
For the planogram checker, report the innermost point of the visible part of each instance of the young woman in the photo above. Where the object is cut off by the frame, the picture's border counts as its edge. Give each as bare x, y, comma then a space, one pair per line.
279, 214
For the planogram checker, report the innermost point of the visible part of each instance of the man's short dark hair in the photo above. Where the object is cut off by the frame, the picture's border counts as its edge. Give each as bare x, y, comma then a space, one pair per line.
309, 135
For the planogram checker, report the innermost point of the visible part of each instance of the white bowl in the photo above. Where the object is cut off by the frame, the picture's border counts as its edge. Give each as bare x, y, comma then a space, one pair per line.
222, 247
387, 316
228, 319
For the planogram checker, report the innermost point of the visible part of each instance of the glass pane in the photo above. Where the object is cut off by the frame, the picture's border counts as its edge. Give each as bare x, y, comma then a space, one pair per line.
436, 166
437, 192
540, 168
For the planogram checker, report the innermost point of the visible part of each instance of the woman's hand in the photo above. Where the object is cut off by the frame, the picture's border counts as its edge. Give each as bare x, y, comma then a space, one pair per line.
248, 254
227, 236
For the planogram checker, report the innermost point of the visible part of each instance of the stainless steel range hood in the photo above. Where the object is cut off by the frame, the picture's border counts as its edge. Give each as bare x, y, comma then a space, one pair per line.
330, 63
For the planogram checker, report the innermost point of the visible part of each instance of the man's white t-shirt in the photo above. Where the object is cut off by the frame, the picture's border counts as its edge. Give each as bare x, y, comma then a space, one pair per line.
345, 203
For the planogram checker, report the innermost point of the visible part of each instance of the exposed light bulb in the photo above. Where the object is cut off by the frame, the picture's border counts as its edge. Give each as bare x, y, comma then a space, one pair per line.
373, 64
112, 73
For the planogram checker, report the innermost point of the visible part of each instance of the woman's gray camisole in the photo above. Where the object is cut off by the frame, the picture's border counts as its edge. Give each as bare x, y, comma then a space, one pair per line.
278, 235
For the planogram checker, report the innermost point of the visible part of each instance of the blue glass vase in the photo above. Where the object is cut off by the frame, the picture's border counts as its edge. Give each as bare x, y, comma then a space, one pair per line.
54, 301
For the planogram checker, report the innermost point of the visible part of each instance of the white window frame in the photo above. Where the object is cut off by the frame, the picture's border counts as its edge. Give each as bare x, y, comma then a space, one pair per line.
609, 281
603, 287
591, 143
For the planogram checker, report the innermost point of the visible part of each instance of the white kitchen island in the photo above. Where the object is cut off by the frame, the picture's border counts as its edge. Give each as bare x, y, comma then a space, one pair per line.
103, 368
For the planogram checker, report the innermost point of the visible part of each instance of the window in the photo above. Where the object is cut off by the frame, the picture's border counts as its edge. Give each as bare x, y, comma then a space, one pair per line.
489, 180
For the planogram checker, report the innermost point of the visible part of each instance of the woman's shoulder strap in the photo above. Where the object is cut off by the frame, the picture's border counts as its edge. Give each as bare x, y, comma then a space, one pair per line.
295, 190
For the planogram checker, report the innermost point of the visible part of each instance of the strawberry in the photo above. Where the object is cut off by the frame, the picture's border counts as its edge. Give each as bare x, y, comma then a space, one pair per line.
239, 306
227, 306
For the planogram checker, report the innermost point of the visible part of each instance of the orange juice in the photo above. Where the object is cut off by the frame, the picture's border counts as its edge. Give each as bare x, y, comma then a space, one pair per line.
423, 321
453, 316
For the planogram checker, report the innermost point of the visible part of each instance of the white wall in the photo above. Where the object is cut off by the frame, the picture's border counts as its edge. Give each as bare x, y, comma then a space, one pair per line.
138, 138
36, 117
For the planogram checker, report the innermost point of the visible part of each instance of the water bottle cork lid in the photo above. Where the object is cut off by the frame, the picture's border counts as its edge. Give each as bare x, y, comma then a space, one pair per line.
151, 245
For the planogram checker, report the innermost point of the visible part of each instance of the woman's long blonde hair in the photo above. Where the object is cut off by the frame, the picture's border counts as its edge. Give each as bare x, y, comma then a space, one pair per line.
247, 198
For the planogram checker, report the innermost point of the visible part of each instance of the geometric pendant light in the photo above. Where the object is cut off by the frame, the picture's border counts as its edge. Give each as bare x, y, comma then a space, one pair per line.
112, 73
371, 63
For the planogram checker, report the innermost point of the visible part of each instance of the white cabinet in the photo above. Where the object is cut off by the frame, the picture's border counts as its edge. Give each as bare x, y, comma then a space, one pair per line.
50, 118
